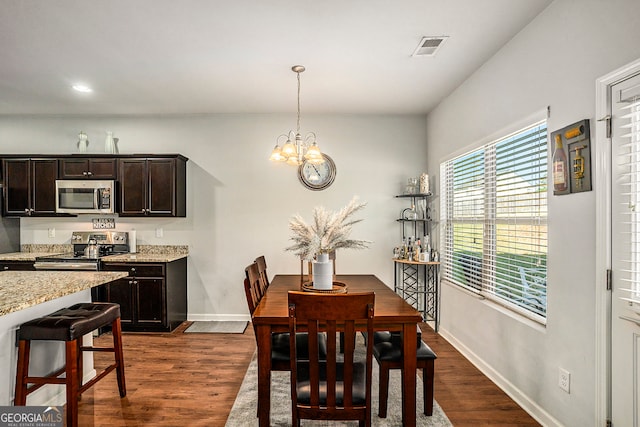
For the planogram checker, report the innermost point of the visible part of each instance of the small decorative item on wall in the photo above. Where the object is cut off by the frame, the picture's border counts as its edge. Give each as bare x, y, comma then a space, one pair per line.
102, 223
571, 165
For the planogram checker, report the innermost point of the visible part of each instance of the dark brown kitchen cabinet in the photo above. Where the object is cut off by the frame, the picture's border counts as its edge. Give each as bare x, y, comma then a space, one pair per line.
87, 168
152, 299
17, 266
152, 186
29, 187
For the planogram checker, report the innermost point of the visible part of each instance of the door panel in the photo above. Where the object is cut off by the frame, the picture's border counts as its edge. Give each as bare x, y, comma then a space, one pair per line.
162, 186
17, 178
150, 300
625, 232
120, 291
133, 186
43, 182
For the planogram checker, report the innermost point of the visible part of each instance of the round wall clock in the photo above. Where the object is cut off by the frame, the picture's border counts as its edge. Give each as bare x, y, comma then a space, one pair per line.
317, 177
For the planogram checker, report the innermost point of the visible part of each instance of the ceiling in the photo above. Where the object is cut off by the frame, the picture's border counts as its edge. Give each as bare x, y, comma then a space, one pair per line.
235, 56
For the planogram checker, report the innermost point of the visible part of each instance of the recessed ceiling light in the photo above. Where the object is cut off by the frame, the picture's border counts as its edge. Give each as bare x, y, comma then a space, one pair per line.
82, 88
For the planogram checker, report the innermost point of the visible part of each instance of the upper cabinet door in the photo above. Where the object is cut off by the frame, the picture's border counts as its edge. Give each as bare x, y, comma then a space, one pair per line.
17, 187
88, 168
152, 187
162, 184
43, 186
133, 179
29, 187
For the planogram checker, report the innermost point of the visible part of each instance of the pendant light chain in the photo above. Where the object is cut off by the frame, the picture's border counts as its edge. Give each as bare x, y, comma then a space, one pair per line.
298, 128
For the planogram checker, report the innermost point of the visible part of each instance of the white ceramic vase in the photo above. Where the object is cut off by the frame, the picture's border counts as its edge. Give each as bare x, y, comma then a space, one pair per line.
322, 272
110, 144
82, 142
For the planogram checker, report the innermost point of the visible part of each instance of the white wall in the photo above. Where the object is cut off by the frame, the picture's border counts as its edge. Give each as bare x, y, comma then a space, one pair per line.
554, 61
238, 202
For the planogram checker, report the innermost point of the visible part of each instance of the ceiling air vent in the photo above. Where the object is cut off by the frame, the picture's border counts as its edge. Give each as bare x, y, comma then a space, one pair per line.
428, 46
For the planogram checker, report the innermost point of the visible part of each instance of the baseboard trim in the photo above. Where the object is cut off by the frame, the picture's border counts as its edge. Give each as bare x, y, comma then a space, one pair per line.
531, 407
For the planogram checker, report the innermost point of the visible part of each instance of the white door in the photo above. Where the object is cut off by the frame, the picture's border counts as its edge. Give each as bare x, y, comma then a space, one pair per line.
625, 305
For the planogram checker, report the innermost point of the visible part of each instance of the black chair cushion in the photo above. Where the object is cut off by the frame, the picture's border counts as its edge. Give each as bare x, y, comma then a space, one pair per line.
359, 384
280, 346
395, 337
70, 323
391, 352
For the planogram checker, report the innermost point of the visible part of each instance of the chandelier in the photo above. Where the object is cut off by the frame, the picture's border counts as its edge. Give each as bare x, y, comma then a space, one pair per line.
296, 149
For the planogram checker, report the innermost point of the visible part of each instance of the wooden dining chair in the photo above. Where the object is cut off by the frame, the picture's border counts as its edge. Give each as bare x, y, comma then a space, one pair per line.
279, 341
261, 262
338, 388
387, 349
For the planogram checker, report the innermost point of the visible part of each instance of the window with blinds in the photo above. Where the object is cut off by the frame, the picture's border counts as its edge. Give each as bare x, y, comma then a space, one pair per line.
629, 180
494, 220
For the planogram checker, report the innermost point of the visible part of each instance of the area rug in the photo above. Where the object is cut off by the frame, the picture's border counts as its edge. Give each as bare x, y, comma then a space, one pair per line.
217, 327
243, 412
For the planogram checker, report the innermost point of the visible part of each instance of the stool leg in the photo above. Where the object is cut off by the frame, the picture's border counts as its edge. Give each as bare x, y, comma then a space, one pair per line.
22, 372
116, 330
71, 375
427, 384
383, 391
80, 364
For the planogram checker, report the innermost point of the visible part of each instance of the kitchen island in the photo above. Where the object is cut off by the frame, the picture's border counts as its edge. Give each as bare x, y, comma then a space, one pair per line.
26, 295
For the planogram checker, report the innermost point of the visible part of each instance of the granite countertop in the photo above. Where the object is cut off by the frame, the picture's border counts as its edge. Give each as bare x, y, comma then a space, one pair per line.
144, 257
24, 289
145, 253
23, 256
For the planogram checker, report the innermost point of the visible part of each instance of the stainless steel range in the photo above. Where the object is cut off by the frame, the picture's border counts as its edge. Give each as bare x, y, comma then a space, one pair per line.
88, 248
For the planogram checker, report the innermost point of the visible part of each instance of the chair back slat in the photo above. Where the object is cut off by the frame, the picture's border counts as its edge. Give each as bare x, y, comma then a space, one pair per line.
252, 287
327, 386
261, 262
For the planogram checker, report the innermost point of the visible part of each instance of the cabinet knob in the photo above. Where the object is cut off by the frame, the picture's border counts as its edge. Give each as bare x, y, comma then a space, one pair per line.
84, 173
131, 282
89, 173
6, 267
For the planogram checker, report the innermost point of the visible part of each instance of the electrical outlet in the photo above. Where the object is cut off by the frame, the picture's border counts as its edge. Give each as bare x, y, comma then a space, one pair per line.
159, 232
564, 379
52, 232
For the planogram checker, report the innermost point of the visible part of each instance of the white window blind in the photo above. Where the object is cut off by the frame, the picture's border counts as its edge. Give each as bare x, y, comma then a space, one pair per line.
494, 215
629, 161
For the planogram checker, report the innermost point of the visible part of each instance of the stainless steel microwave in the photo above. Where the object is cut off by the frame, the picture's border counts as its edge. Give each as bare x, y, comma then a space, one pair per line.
85, 196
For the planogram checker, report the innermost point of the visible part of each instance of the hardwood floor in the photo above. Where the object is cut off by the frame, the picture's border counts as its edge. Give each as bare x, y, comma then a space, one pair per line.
183, 379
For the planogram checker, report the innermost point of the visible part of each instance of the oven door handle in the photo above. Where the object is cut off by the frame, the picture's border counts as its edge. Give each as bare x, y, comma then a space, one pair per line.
66, 266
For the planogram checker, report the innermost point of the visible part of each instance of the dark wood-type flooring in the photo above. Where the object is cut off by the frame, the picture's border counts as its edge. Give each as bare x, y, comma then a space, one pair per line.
180, 379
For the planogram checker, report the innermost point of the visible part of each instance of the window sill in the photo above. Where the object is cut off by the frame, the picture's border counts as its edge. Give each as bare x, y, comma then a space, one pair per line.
531, 320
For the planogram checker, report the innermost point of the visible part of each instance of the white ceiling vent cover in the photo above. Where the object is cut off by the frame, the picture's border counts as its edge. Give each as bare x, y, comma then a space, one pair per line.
428, 46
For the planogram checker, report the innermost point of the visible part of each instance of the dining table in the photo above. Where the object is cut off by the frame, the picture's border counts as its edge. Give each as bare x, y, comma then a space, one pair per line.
391, 313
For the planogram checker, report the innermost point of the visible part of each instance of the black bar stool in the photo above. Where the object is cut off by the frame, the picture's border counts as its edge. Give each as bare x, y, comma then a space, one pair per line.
69, 325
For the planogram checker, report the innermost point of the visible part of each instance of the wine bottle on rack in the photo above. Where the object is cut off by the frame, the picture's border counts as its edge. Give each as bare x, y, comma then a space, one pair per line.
560, 167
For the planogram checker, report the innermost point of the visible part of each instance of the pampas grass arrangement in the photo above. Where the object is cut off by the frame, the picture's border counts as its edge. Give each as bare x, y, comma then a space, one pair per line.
328, 231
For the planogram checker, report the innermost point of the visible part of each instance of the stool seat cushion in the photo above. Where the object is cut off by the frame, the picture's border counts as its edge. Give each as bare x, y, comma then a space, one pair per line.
390, 352
70, 323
